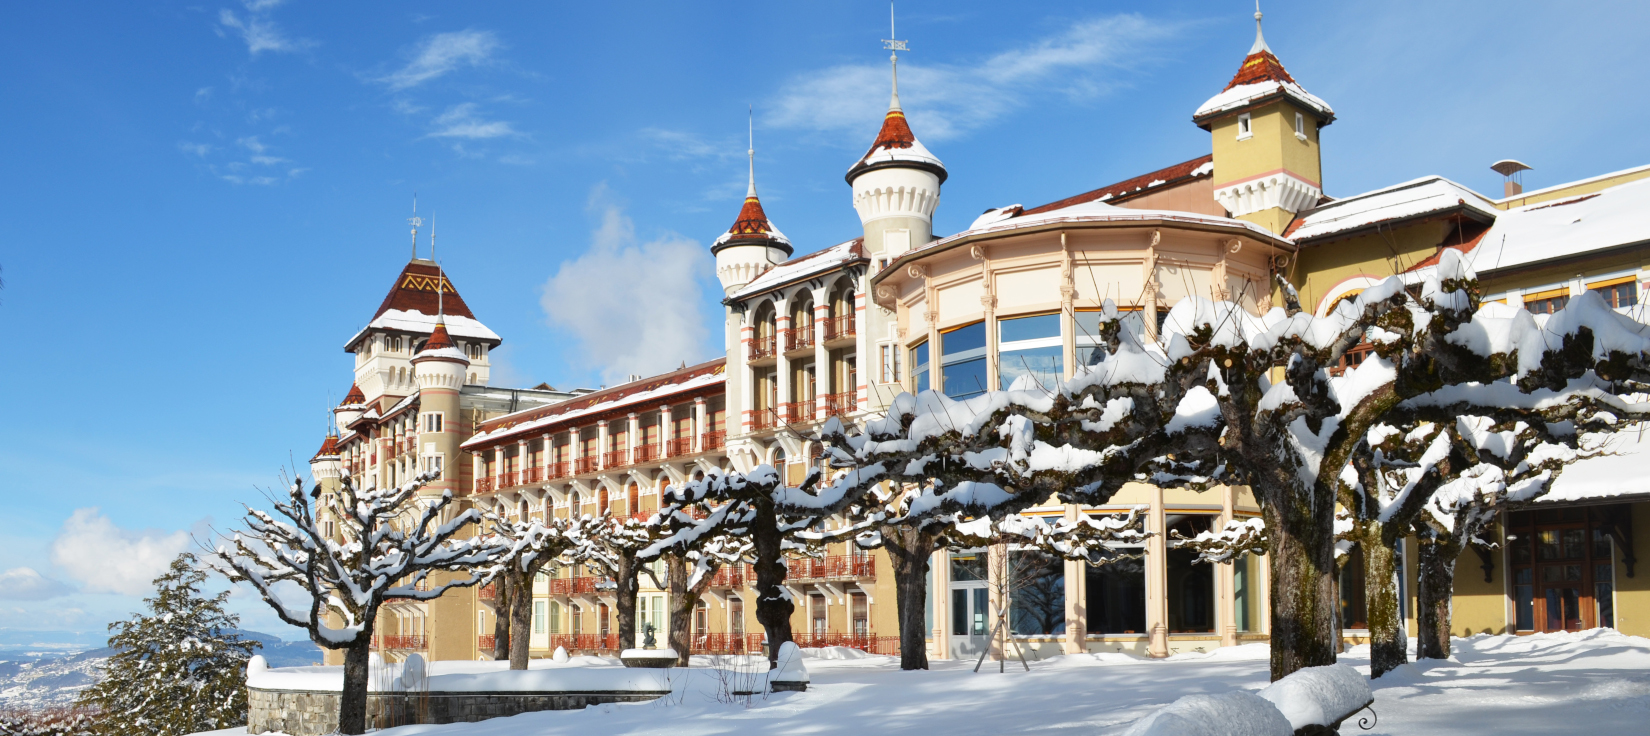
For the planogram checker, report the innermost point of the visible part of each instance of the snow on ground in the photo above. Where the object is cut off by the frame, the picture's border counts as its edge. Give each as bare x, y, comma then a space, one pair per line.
1597, 681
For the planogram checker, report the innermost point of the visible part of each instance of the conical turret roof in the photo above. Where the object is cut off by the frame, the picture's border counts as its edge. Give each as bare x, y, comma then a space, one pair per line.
1259, 80
897, 146
354, 396
752, 227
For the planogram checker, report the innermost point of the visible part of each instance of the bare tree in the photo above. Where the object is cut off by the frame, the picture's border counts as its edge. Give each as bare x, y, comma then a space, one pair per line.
388, 543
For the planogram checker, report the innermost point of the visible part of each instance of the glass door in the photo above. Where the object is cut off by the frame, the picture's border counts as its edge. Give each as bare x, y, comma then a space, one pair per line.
970, 604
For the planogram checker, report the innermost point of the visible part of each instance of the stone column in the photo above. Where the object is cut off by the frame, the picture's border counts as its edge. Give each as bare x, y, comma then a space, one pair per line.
782, 364
498, 467
479, 466
549, 459
523, 460
575, 448
1225, 585
1157, 579
699, 425
996, 567
940, 563
822, 357
1076, 640
664, 431
601, 444
632, 438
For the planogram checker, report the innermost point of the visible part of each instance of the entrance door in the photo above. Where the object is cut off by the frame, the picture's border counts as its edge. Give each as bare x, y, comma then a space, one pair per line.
970, 604
1562, 569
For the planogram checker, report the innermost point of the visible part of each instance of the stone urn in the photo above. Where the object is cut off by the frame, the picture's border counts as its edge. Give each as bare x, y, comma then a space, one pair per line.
649, 658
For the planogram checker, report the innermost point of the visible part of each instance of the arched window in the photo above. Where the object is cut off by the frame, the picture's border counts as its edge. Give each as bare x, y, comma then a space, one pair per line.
601, 501
633, 500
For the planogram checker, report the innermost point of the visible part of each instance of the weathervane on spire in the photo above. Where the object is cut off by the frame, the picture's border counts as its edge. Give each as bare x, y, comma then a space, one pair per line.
894, 47
416, 223
750, 151
1260, 41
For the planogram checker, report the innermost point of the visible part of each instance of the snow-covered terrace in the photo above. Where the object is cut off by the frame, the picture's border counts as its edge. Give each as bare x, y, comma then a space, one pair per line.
802, 268
1424, 197
693, 378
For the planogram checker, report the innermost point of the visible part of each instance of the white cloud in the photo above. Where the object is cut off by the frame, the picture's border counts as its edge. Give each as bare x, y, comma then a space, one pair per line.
949, 100
24, 584
257, 30
634, 308
198, 149
461, 121
681, 145
106, 558
442, 53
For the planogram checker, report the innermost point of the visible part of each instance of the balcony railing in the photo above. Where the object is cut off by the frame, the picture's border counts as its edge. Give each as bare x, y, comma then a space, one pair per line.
715, 440
484, 485
835, 566
556, 470
764, 419
508, 479
762, 347
485, 642
487, 593
585, 642
838, 328
801, 338
868, 642
533, 475
798, 411
576, 585
401, 641
647, 452
732, 576
615, 458
841, 404
681, 446
725, 643
584, 465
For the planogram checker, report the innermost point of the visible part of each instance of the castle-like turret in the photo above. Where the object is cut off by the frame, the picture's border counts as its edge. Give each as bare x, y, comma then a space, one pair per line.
752, 245
896, 184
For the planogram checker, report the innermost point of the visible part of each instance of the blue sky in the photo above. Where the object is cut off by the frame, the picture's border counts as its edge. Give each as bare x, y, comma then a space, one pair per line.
201, 202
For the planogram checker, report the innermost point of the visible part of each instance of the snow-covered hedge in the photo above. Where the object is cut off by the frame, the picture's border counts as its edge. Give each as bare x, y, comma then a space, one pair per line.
1313, 696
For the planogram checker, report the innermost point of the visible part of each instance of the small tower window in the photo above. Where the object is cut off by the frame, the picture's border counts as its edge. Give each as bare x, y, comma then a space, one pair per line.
1300, 126
1244, 130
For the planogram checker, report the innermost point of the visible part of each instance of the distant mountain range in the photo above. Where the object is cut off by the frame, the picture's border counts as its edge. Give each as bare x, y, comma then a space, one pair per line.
33, 675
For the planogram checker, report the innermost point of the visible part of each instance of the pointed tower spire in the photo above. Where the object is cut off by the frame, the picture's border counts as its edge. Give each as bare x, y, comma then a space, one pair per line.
896, 145
750, 149
894, 47
432, 237
1260, 40
416, 222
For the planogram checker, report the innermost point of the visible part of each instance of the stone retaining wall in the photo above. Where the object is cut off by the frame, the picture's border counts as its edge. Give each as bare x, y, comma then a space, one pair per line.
314, 713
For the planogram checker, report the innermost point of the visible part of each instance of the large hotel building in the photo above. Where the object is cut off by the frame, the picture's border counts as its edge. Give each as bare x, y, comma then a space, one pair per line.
840, 330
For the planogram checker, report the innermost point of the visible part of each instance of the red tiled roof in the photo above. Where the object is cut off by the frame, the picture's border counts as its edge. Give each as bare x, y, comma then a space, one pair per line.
752, 220
584, 401
1261, 66
895, 133
1130, 187
415, 290
328, 447
354, 396
439, 338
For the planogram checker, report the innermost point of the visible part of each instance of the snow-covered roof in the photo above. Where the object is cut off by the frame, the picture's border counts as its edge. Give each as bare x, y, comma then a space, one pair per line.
1416, 198
1097, 211
1261, 76
646, 393
1566, 227
1608, 476
1575, 184
752, 225
895, 145
1197, 168
421, 292
803, 267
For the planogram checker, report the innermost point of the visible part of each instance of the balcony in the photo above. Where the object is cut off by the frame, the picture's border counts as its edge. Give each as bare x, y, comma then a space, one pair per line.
508, 479
648, 452
585, 642
798, 411
556, 470
801, 338
839, 328
533, 475
764, 419
725, 643
867, 642
584, 465
715, 440
487, 593
763, 348
833, 567
577, 585
615, 458
484, 485
485, 642
681, 446
401, 641
732, 576
838, 405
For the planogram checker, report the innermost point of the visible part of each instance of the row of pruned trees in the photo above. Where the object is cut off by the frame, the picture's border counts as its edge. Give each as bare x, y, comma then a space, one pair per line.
1456, 413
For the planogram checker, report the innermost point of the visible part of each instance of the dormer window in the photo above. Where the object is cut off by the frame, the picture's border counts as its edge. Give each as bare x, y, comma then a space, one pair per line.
475, 350
1244, 129
1300, 126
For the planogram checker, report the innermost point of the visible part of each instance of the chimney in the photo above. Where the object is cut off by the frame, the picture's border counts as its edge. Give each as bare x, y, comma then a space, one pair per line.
634, 377
1513, 171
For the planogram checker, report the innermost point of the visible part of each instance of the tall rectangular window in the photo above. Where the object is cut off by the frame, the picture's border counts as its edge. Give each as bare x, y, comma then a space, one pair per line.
1190, 585
962, 361
890, 364
431, 421
919, 367
1300, 125
736, 616
1037, 593
1029, 352
1243, 127
539, 616
861, 614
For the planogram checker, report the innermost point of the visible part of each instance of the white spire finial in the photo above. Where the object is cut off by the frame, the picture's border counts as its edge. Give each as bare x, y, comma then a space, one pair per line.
893, 47
432, 237
750, 150
1260, 41
440, 291
416, 222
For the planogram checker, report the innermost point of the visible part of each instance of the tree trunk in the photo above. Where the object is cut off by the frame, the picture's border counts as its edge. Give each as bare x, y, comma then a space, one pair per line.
627, 579
521, 612
909, 550
503, 593
352, 704
1302, 583
680, 607
1388, 647
773, 601
1436, 578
